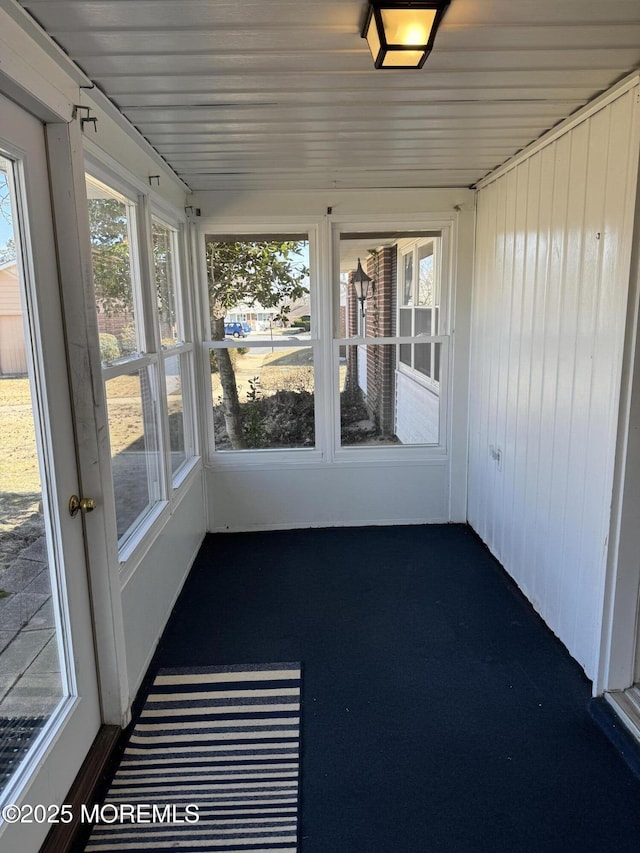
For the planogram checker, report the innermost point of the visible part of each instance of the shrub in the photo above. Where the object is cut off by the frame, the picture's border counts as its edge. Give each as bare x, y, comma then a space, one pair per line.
128, 343
109, 347
289, 379
283, 419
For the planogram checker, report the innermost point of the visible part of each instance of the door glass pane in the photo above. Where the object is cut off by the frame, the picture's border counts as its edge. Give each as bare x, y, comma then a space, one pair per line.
31, 684
135, 459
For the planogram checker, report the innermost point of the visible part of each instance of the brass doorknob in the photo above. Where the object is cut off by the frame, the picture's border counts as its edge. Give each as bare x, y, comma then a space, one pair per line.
77, 504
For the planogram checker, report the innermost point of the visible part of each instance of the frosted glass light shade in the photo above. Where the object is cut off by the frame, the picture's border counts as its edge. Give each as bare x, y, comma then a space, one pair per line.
401, 35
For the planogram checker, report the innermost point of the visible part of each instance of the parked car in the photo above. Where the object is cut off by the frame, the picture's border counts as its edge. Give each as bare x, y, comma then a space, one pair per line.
235, 330
303, 322
246, 327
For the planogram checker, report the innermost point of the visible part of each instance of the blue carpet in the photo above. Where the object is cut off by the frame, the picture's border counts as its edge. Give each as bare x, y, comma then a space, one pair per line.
439, 713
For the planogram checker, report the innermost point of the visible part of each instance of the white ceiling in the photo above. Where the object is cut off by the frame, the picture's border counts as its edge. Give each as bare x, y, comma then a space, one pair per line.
241, 94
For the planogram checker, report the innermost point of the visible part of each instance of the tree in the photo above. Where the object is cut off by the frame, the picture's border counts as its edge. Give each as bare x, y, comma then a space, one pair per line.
165, 288
268, 273
108, 227
8, 251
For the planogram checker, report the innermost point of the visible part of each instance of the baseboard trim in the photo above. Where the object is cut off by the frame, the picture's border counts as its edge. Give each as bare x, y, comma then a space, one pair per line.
320, 525
85, 789
611, 714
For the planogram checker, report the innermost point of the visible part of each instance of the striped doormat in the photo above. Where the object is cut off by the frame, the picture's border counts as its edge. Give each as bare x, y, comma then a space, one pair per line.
211, 764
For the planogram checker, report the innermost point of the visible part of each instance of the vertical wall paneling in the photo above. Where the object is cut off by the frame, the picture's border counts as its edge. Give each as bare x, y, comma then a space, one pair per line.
553, 247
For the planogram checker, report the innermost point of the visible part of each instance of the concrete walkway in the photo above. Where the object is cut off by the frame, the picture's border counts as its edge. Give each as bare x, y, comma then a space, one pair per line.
30, 683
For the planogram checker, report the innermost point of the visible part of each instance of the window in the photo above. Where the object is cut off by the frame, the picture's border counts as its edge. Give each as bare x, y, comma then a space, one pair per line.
262, 348
390, 348
418, 312
129, 367
279, 350
147, 361
177, 352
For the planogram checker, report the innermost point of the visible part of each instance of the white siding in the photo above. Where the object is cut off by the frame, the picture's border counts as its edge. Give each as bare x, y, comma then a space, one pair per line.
13, 358
362, 369
12, 346
552, 277
417, 411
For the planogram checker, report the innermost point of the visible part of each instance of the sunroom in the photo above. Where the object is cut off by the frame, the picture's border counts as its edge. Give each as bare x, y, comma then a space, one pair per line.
435, 277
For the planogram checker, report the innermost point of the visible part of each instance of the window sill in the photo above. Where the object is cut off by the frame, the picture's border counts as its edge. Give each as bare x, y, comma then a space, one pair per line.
349, 457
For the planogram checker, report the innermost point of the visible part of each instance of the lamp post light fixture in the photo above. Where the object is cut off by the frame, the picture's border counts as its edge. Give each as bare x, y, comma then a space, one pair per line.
401, 35
363, 284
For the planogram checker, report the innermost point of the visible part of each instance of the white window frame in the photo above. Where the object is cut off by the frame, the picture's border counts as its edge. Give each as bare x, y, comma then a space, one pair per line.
148, 204
324, 236
183, 349
412, 247
265, 457
444, 228
146, 336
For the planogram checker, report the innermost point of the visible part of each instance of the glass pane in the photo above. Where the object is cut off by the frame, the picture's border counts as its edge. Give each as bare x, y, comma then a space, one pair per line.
425, 275
164, 239
258, 284
423, 321
402, 268
135, 460
408, 26
422, 359
175, 406
394, 407
31, 684
405, 331
263, 397
112, 228
407, 279
395, 58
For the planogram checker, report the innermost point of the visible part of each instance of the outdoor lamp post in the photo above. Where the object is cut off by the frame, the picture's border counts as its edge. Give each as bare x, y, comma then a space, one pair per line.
362, 283
401, 35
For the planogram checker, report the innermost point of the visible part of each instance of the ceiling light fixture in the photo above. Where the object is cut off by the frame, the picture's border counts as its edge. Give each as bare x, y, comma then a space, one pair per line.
401, 35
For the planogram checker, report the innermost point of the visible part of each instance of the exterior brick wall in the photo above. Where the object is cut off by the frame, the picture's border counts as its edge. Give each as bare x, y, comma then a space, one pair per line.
351, 323
114, 325
380, 320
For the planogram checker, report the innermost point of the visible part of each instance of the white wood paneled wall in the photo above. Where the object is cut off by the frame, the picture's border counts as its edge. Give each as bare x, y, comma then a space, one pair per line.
551, 281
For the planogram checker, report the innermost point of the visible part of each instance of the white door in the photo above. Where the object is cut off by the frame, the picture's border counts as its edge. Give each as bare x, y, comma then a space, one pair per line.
49, 704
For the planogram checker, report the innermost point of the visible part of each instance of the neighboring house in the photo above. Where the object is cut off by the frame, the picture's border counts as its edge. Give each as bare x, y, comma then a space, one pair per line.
12, 343
260, 318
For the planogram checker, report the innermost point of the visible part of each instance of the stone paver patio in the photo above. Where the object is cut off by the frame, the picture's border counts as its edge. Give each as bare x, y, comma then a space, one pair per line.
30, 682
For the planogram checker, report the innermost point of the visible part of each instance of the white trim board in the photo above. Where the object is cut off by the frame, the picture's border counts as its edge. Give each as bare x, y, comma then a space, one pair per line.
626, 704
